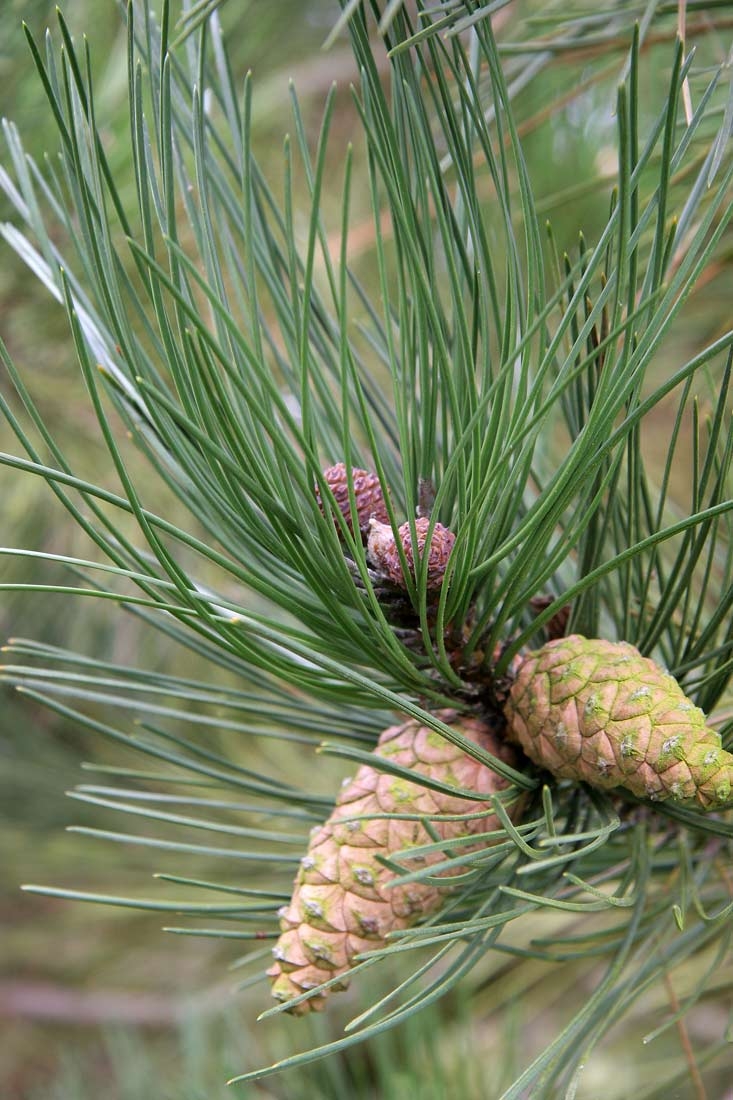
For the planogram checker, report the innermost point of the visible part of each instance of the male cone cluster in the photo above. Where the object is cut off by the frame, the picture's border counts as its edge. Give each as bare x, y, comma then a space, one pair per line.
343, 903
597, 711
433, 540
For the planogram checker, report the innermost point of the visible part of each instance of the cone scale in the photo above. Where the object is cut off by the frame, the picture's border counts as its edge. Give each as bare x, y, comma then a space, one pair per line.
343, 903
597, 711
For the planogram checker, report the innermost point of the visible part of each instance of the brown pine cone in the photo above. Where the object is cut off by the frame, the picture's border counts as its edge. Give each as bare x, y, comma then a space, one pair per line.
368, 496
385, 557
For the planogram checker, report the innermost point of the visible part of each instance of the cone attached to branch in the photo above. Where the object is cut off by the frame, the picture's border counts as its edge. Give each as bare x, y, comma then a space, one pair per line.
368, 496
384, 555
597, 711
342, 901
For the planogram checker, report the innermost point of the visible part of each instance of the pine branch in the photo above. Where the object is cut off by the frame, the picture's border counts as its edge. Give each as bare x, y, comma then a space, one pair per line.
502, 391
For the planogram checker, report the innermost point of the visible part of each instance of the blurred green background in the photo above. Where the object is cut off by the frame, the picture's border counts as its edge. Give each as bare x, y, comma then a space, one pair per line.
98, 1002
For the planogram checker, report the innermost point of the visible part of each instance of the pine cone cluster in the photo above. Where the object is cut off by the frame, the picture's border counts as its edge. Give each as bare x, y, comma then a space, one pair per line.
584, 709
433, 539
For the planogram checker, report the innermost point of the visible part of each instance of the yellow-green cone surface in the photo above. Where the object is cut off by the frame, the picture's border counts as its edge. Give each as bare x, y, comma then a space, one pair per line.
342, 902
597, 711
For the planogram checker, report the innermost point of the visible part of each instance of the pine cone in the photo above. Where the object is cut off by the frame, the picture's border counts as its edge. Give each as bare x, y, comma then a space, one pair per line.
384, 555
597, 711
342, 903
367, 493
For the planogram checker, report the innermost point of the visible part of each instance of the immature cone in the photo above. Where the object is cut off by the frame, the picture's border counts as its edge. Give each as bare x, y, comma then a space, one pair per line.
342, 902
598, 711
368, 495
384, 555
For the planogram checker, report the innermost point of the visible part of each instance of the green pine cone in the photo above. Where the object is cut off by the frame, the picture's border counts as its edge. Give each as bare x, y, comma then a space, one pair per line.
597, 711
343, 902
